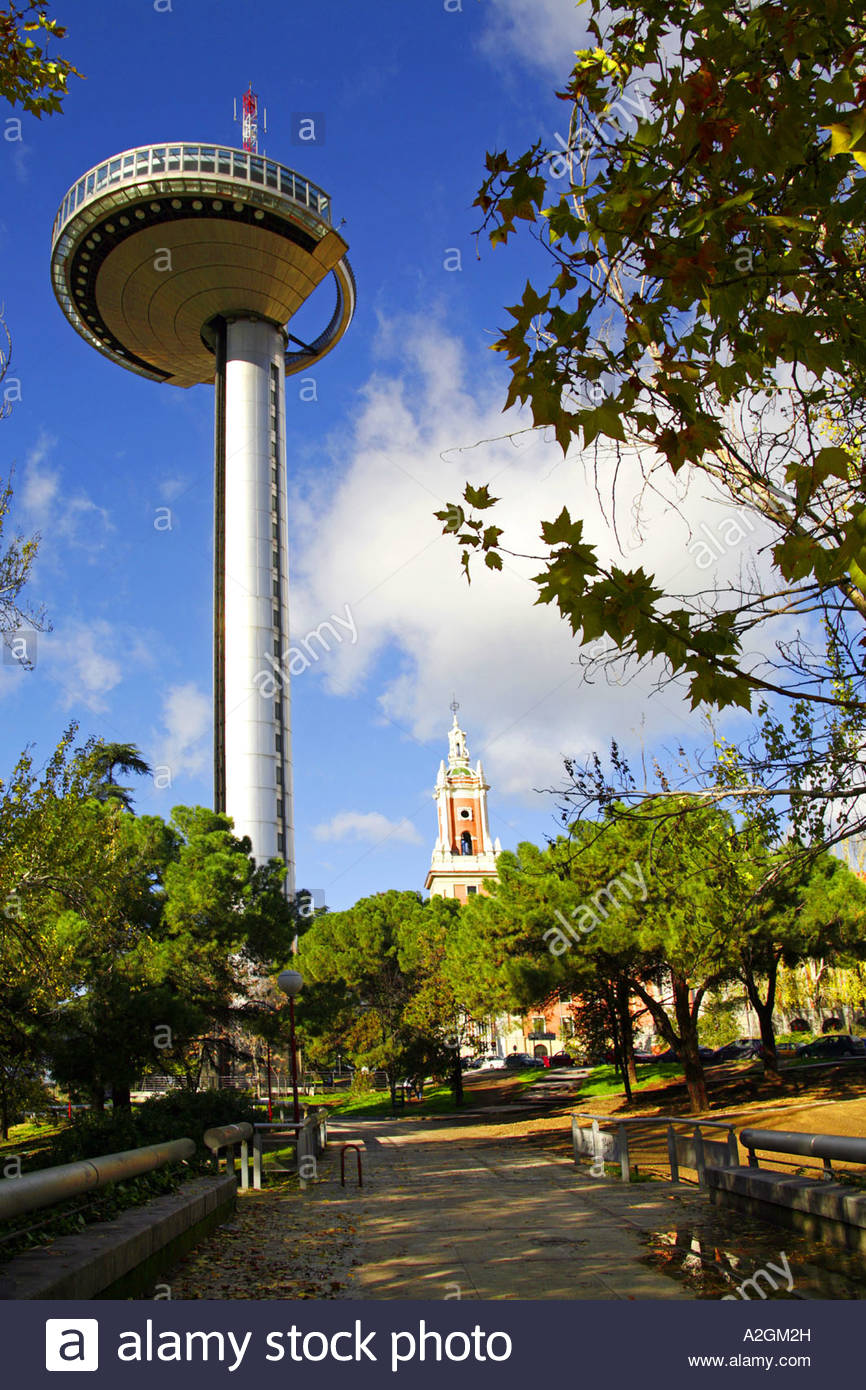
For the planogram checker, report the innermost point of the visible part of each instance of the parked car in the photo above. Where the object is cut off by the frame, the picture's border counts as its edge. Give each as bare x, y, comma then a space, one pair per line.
833, 1045
670, 1055
562, 1059
492, 1063
522, 1059
739, 1050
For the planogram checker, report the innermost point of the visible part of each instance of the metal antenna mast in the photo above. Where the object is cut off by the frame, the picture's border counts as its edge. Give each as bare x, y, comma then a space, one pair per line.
250, 119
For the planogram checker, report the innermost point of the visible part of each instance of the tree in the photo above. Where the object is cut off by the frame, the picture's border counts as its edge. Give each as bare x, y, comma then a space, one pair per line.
56, 859
796, 778
104, 759
533, 936
28, 77
374, 982
816, 907
124, 939
640, 905
705, 311
171, 953
16, 561
16, 564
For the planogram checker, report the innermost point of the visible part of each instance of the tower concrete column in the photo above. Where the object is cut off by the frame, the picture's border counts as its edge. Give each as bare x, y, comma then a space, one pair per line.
256, 722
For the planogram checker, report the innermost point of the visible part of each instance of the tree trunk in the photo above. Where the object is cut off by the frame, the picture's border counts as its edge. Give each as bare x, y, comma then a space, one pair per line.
685, 1043
120, 1097
693, 1068
618, 1048
764, 1009
626, 1029
457, 1081
768, 1042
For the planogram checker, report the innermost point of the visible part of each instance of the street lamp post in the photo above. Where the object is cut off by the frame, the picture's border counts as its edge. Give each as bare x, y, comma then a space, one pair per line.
291, 982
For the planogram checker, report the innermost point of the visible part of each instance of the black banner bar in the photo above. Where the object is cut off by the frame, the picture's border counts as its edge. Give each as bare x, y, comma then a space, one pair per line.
415, 1344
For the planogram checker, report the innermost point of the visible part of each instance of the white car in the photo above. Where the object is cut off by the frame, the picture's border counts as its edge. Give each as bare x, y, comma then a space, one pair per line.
492, 1063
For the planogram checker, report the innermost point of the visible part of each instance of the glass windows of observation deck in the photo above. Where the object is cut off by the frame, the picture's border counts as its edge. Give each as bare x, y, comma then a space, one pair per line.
128, 164
190, 159
257, 169
142, 158
101, 176
114, 170
207, 159
271, 174
174, 157
224, 161
157, 161
239, 166
287, 182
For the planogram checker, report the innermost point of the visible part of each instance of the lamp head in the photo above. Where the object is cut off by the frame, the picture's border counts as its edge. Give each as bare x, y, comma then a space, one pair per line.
290, 982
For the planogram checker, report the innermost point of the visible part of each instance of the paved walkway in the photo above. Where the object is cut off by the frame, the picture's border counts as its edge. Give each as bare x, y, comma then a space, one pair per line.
453, 1209
445, 1216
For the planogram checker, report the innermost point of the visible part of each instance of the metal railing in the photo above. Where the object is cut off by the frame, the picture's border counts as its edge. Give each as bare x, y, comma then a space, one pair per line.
845, 1148
228, 1137
309, 1136
356, 1148
683, 1151
50, 1185
212, 162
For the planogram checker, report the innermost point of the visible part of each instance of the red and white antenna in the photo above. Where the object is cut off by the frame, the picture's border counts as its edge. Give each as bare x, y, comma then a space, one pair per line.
250, 119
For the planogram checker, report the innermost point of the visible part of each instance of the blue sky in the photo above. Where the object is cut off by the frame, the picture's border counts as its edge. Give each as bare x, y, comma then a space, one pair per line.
411, 96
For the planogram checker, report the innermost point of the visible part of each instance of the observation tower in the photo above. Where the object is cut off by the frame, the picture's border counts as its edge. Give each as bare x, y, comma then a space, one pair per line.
185, 263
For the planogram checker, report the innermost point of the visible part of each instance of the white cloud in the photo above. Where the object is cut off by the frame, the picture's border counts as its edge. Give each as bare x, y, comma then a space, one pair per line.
21, 162
170, 488
87, 661
40, 483
183, 746
72, 517
369, 826
370, 540
541, 33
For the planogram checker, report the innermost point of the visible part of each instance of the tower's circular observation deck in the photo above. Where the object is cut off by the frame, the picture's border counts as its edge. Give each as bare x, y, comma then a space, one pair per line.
151, 246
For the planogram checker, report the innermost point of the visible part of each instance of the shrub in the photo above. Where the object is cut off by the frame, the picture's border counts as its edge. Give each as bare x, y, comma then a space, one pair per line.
177, 1115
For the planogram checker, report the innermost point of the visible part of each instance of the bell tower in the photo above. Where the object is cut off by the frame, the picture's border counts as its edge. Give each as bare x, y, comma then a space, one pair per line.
464, 856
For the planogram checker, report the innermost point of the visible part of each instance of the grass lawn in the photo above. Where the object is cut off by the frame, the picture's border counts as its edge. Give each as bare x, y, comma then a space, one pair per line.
438, 1100
371, 1104
605, 1081
32, 1136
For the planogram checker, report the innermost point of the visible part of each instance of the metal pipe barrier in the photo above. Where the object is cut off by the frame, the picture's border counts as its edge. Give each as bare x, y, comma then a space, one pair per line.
42, 1189
228, 1137
692, 1151
343, 1153
845, 1148
310, 1138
